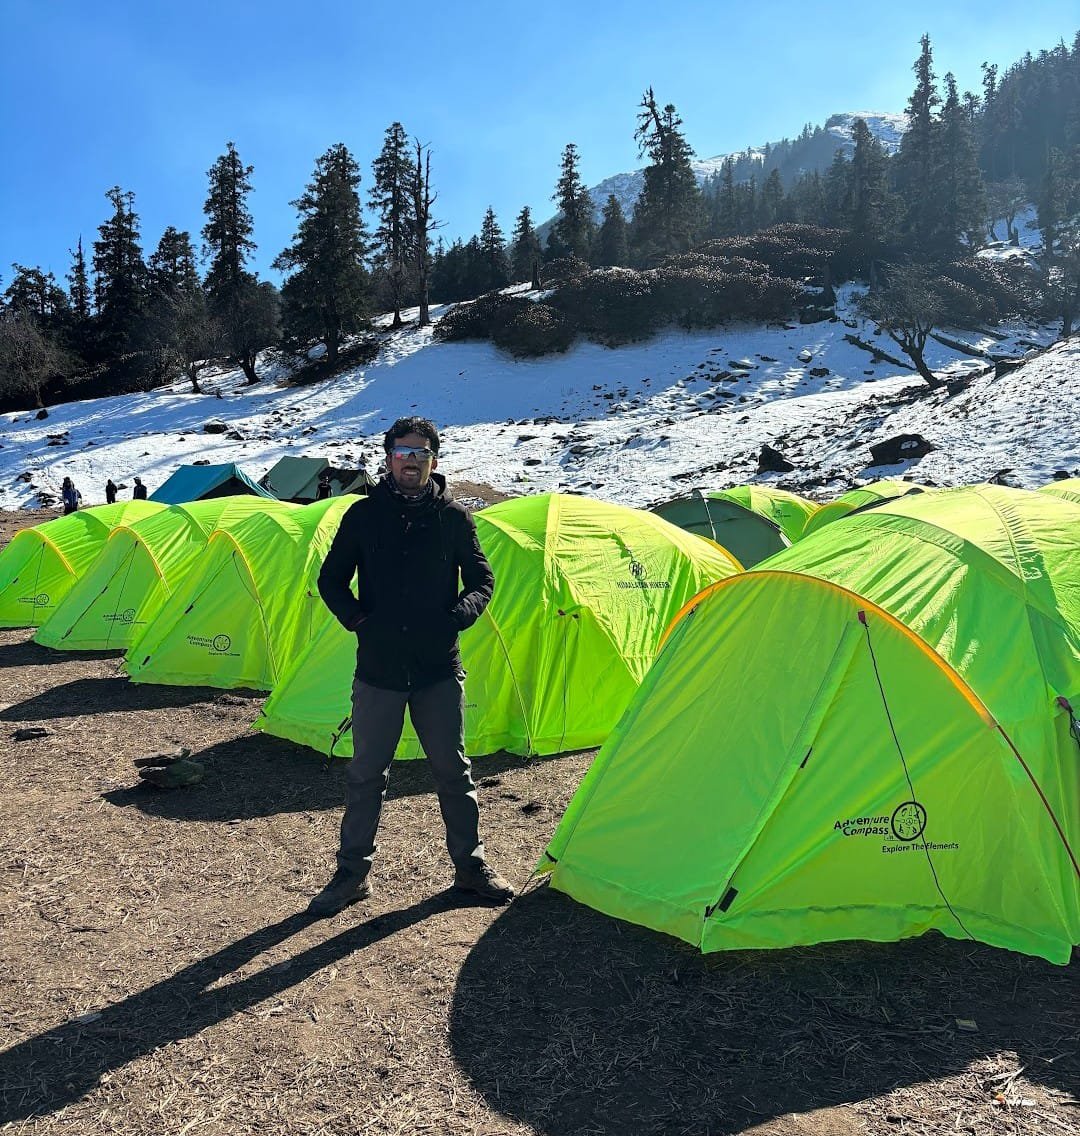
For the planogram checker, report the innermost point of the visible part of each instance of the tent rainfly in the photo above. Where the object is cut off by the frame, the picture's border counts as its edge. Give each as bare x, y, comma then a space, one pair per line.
294, 478
201, 482
248, 608
854, 500
874, 736
583, 593
41, 564
139, 567
1068, 487
751, 521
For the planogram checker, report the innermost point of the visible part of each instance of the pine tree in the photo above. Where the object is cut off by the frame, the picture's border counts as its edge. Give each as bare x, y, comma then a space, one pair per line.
326, 295
79, 285
228, 230
669, 212
746, 206
525, 249
423, 223
230, 288
36, 294
727, 222
119, 278
182, 325
612, 247
496, 269
574, 226
961, 211
837, 188
391, 200
1050, 203
916, 160
772, 198
868, 199
172, 264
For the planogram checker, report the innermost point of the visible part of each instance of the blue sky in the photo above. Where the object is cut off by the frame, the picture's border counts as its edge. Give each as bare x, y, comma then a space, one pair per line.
145, 95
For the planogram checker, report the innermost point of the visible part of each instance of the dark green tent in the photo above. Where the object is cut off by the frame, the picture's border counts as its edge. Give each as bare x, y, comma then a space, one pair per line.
295, 478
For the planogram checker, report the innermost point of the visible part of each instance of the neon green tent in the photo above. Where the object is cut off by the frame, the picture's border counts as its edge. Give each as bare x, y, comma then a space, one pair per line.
865, 497
139, 567
583, 592
867, 739
788, 510
249, 606
751, 521
40, 565
1069, 488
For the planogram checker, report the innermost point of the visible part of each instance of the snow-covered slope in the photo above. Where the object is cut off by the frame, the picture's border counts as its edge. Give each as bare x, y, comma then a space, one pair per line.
886, 127
633, 425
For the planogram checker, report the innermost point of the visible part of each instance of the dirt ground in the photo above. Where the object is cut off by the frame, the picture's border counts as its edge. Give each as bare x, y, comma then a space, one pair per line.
157, 975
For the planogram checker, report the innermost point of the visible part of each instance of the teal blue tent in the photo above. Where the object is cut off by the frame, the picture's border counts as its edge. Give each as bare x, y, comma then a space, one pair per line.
201, 482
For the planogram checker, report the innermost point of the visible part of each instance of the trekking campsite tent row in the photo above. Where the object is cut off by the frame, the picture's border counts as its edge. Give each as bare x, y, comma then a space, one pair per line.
138, 568
250, 607
203, 482
854, 500
1069, 487
873, 736
750, 521
41, 564
583, 592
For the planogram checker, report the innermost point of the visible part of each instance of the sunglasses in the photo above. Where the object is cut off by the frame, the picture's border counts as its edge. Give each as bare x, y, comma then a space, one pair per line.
421, 453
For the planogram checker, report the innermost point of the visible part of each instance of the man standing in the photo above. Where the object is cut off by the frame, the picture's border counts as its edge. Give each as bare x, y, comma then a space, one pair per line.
110, 492
421, 579
139, 492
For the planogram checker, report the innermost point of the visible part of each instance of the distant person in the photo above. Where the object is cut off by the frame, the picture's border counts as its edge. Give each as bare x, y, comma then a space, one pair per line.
110, 492
422, 578
71, 497
139, 492
324, 489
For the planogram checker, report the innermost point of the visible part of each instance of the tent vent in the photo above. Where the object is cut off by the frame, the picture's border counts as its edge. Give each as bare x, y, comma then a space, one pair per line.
725, 902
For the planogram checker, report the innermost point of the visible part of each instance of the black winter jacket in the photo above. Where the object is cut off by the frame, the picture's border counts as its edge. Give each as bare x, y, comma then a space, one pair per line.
410, 605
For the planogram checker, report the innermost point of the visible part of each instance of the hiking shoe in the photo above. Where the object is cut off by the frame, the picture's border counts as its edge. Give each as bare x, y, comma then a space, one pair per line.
484, 881
343, 890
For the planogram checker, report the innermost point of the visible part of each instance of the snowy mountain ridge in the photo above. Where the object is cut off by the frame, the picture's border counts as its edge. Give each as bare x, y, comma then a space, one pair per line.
885, 126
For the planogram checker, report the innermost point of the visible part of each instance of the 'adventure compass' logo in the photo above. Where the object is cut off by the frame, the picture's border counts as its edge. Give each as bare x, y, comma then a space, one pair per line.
908, 821
221, 644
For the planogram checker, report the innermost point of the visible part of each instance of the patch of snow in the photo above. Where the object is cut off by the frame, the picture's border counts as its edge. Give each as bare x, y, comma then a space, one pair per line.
633, 424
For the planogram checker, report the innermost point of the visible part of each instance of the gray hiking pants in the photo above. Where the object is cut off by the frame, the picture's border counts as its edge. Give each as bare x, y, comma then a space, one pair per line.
438, 716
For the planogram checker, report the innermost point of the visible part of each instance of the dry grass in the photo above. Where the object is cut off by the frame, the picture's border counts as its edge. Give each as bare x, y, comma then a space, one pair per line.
155, 976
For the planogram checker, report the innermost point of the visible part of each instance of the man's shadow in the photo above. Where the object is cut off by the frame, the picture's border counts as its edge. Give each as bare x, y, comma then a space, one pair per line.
55, 1068
292, 778
569, 1021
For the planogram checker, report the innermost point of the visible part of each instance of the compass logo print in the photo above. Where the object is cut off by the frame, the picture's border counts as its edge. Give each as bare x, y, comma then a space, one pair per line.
908, 821
221, 643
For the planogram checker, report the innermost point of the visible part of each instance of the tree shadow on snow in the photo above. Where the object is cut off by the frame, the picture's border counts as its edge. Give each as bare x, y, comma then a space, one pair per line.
258, 775
569, 1021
